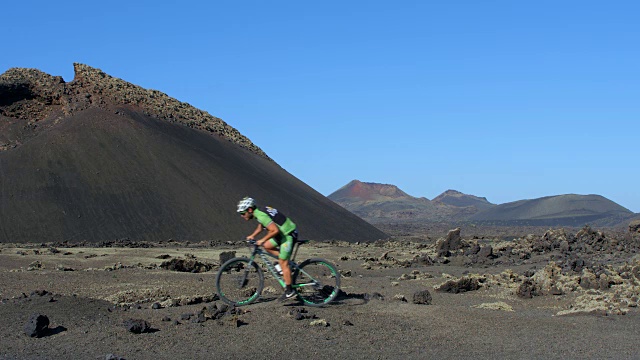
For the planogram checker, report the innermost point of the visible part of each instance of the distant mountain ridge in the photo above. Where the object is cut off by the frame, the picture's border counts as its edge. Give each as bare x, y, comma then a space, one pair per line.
456, 198
378, 202
383, 202
570, 209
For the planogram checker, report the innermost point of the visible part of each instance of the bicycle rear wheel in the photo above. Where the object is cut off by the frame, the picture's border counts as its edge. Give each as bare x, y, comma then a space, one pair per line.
239, 282
317, 282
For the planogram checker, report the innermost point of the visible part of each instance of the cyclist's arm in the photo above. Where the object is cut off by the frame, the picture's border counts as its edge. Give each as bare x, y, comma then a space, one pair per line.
272, 230
256, 232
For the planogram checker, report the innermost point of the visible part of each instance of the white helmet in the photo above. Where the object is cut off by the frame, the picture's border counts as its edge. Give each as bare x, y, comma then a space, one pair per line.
246, 203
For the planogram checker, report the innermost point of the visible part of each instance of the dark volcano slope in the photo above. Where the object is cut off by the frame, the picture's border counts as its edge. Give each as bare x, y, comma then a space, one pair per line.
112, 172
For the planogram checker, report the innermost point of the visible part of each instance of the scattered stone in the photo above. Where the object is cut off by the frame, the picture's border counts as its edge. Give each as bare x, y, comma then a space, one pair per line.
186, 265
226, 256
500, 305
166, 318
61, 267
527, 289
36, 265
113, 357
39, 293
186, 316
399, 297
577, 312
347, 323
555, 291
485, 252
422, 260
163, 256
137, 326
463, 284
473, 249
138, 296
300, 313
422, 297
576, 265
319, 322
199, 318
37, 325
156, 306
374, 296
236, 322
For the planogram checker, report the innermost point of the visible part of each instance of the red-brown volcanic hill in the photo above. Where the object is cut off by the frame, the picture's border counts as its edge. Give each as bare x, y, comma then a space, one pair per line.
382, 202
80, 164
357, 190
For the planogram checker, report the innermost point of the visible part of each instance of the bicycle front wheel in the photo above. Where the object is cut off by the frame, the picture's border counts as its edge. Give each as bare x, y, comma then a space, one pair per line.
317, 282
239, 282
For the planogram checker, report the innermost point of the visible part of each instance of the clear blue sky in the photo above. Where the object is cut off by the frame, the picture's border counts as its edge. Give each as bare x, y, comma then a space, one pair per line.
504, 99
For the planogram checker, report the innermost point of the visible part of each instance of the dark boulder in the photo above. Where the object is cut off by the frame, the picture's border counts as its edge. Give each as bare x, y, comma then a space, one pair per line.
422, 260
473, 249
226, 256
37, 326
137, 326
527, 289
186, 265
453, 241
486, 252
463, 284
576, 265
422, 297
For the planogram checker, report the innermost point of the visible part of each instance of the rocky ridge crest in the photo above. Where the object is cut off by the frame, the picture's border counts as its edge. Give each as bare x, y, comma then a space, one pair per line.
34, 96
365, 191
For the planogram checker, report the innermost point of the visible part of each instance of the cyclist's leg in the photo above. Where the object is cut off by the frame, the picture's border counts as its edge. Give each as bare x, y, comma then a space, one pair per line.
285, 253
272, 247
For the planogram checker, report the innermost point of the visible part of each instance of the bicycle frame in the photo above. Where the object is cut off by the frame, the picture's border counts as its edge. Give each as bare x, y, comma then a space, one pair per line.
293, 266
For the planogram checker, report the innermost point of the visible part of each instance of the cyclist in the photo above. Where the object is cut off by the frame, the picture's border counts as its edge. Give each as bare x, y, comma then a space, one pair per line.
281, 233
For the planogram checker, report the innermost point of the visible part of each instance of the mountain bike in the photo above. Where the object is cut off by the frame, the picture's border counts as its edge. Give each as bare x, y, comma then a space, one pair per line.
240, 280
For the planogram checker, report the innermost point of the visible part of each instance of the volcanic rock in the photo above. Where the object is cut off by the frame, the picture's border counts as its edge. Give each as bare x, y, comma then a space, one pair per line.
453, 241
226, 256
485, 252
527, 289
186, 265
422, 297
137, 326
37, 325
463, 284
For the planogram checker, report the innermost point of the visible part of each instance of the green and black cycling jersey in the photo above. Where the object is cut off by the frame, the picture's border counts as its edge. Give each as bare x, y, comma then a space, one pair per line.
268, 215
